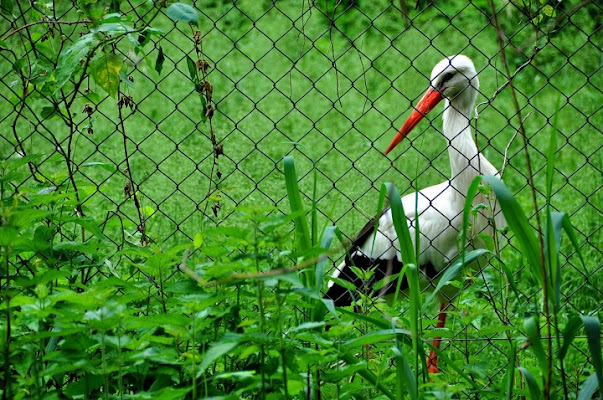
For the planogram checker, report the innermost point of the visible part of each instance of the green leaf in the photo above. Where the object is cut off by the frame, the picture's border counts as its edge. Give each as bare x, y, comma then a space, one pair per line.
510, 277
198, 240
306, 326
376, 337
330, 305
108, 167
535, 392
378, 322
49, 112
451, 272
295, 202
70, 59
8, 234
519, 224
192, 70
217, 350
569, 333
105, 71
159, 60
592, 328
93, 97
6, 7
589, 388
181, 12
368, 375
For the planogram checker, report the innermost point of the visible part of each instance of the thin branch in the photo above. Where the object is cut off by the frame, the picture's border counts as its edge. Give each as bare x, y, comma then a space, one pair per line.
505, 157
133, 187
499, 33
507, 82
261, 275
84, 21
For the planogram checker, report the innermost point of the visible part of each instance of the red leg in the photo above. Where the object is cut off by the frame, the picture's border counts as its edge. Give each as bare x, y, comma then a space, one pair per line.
432, 361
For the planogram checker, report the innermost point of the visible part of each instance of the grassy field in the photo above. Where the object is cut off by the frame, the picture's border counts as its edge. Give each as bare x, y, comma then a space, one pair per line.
285, 82
330, 85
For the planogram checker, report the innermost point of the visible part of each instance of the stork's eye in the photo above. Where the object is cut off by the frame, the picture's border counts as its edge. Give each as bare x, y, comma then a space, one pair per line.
447, 77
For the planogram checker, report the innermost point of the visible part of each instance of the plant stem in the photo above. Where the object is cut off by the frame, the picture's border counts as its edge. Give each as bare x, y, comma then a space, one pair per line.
133, 188
7, 375
499, 34
260, 286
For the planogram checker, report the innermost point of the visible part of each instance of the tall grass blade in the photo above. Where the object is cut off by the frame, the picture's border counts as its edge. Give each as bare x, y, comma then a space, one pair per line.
533, 334
314, 212
551, 259
325, 244
592, 328
567, 226
404, 376
510, 278
375, 337
518, 223
589, 388
551, 246
471, 192
400, 225
535, 391
380, 323
412, 275
380, 205
569, 333
550, 158
411, 270
295, 202
407, 250
510, 375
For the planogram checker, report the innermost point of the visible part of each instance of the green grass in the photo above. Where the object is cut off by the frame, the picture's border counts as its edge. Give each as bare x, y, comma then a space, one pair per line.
278, 85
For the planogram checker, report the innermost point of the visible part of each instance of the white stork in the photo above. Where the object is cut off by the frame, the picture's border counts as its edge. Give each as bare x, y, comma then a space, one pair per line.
439, 207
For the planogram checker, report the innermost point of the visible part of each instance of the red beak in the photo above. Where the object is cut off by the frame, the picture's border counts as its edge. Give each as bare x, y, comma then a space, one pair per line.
430, 99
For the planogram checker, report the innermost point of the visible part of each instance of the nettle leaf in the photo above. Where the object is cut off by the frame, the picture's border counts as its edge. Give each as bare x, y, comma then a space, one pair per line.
69, 60
181, 12
105, 71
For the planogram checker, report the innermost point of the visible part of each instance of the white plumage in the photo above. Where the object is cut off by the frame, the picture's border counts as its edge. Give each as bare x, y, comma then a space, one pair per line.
440, 207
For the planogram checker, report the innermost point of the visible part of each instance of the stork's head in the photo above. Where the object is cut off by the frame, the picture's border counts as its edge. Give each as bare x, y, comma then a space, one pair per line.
454, 79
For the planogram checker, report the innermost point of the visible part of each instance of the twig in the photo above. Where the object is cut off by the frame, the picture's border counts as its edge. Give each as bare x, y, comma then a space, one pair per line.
507, 82
505, 157
262, 275
133, 188
84, 21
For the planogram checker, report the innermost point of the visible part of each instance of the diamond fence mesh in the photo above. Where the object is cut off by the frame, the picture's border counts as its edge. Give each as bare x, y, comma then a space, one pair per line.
327, 82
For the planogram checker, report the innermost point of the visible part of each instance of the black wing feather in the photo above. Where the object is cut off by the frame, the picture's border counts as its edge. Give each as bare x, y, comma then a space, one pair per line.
382, 269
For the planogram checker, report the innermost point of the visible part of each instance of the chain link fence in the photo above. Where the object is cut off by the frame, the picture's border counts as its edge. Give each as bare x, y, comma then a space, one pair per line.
327, 82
